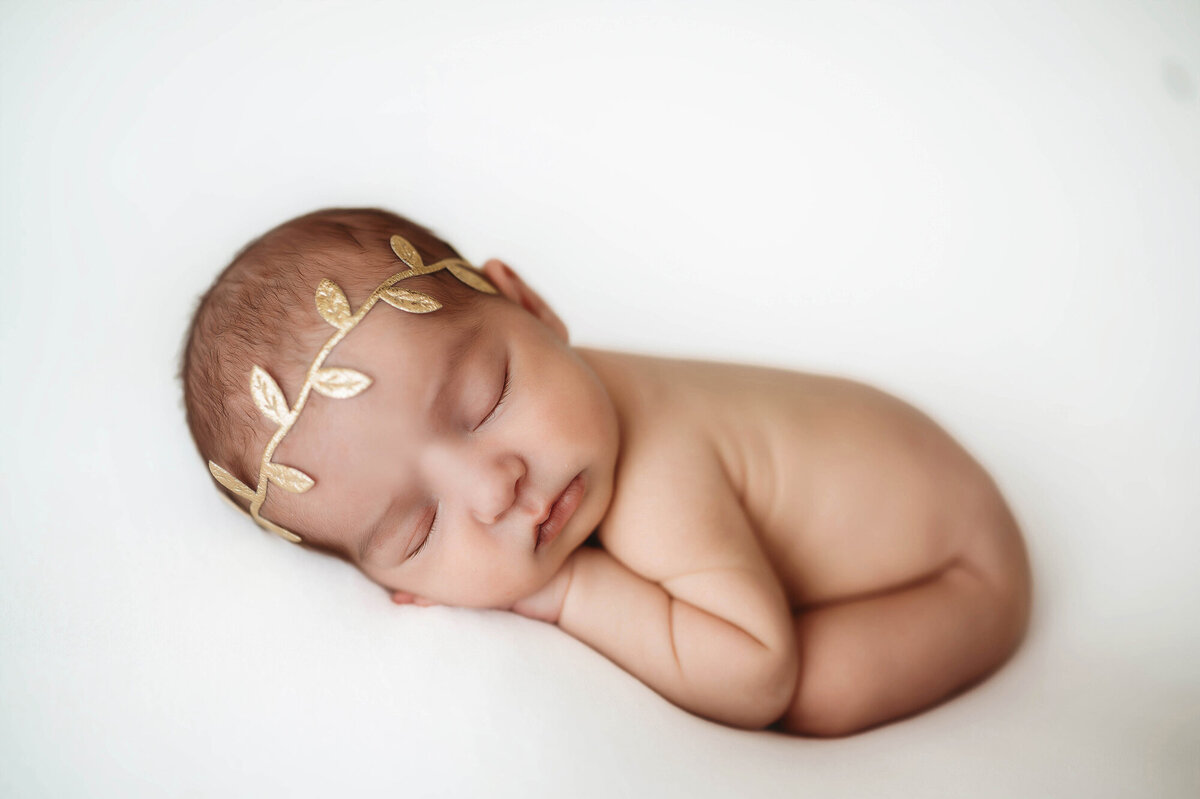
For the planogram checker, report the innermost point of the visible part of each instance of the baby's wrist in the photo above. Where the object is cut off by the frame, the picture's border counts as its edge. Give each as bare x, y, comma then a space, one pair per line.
547, 602
565, 576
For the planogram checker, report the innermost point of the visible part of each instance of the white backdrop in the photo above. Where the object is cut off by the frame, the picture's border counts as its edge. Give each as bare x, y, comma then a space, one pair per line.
992, 211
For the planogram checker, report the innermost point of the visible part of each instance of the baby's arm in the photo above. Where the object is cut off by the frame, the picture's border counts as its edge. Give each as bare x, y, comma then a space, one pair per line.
713, 633
744, 676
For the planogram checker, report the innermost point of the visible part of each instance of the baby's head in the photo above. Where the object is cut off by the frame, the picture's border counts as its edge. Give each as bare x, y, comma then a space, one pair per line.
436, 476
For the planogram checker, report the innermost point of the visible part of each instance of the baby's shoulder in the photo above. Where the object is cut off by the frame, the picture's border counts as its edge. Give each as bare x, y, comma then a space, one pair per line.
680, 416
674, 504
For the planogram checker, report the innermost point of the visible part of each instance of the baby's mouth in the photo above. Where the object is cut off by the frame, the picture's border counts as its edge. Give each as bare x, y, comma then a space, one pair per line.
560, 512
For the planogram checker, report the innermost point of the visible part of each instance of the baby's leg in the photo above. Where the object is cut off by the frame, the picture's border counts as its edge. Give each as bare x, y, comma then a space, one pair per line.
875, 658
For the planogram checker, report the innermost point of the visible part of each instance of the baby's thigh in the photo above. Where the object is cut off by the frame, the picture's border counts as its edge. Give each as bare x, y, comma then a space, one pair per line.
895, 501
890, 558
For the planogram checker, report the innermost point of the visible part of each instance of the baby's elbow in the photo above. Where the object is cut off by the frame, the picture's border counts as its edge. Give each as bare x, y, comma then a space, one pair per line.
782, 675
768, 688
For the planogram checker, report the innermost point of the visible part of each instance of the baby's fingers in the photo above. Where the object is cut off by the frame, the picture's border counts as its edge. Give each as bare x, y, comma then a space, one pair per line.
405, 598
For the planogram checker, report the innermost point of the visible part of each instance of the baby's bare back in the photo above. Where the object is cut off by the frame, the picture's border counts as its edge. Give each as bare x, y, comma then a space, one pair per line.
864, 511
847, 490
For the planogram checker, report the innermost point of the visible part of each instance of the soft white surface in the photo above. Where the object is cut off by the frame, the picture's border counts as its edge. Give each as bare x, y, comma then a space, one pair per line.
993, 212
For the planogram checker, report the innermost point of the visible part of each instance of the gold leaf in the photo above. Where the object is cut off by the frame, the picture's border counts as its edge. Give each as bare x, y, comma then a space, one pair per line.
229, 481
340, 383
332, 304
288, 478
411, 301
473, 279
407, 253
268, 396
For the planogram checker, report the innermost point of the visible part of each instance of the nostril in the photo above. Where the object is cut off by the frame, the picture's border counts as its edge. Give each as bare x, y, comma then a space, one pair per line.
485, 518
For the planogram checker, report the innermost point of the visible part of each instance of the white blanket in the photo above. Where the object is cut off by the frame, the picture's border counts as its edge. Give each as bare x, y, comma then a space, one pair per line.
992, 212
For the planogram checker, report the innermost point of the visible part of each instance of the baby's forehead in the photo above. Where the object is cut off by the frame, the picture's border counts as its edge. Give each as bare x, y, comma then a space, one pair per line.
409, 359
416, 340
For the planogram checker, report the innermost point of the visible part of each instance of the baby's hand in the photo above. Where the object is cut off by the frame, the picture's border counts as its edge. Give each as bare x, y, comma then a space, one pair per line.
546, 603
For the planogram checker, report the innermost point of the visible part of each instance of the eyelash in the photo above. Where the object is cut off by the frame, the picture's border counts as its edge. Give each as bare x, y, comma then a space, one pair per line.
428, 535
503, 396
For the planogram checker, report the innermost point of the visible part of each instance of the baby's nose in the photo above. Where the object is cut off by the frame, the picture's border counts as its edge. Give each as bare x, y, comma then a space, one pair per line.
498, 481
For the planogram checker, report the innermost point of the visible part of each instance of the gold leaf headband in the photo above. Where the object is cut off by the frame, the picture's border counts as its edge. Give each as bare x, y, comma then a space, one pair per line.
332, 382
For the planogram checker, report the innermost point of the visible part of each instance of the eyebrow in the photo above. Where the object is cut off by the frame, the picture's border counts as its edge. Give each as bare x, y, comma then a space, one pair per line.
463, 344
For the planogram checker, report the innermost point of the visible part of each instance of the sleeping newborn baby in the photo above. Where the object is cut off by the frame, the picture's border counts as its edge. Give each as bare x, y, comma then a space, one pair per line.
762, 547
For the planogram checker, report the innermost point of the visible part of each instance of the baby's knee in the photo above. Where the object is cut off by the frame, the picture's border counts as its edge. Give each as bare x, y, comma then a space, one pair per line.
828, 709
1001, 565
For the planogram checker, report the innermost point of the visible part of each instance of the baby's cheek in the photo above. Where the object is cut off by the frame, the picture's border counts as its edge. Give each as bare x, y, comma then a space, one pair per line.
495, 588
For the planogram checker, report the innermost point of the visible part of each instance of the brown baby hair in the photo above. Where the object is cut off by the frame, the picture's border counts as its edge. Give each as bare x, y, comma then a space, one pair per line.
259, 310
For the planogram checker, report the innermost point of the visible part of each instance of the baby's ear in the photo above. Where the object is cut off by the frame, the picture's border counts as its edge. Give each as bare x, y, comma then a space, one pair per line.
510, 284
405, 598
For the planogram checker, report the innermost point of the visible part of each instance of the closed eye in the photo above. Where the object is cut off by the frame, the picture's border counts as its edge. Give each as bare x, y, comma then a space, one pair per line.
503, 396
428, 533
